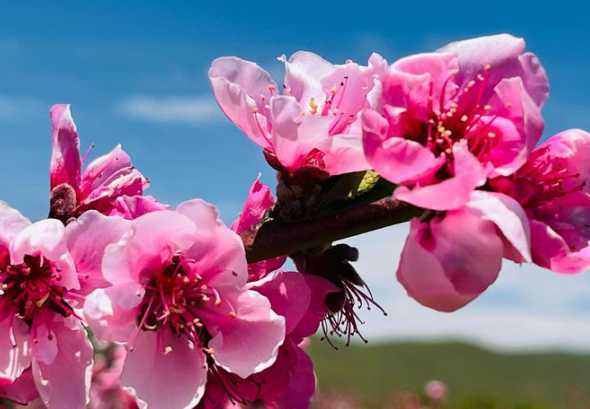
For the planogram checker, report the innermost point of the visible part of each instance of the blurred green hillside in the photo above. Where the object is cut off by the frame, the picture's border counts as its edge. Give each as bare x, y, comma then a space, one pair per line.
476, 377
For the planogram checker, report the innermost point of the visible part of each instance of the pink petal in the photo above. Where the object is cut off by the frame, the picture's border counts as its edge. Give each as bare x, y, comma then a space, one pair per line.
451, 193
11, 223
319, 290
247, 343
112, 312
242, 90
448, 262
23, 390
65, 382
218, 252
131, 207
295, 135
508, 215
16, 355
65, 154
87, 238
111, 174
510, 151
572, 145
351, 83
437, 70
302, 380
513, 102
165, 371
289, 296
304, 72
346, 154
506, 57
395, 158
157, 236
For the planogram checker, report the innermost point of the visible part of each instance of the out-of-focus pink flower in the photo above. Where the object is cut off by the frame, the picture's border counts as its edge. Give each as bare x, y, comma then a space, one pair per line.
106, 391
554, 189
43, 337
178, 299
435, 390
314, 123
449, 260
101, 186
441, 124
259, 201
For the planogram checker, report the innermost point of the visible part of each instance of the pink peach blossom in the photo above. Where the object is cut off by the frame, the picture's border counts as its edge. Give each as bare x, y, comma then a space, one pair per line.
554, 189
178, 300
314, 123
442, 123
43, 336
105, 182
450, 259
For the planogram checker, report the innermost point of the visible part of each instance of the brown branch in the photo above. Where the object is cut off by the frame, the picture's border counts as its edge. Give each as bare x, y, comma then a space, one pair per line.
275, 238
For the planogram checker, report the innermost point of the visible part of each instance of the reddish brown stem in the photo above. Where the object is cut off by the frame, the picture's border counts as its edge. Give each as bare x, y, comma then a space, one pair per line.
275, 238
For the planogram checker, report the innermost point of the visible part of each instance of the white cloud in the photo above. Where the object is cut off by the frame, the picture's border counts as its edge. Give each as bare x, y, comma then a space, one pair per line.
186, 110
526, 308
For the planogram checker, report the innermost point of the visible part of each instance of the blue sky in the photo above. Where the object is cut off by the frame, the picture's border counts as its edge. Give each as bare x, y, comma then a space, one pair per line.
135, 73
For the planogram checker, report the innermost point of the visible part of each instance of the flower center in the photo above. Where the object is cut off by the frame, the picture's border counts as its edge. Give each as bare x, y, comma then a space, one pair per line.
541, 180
460, 115
174, 296
31, 286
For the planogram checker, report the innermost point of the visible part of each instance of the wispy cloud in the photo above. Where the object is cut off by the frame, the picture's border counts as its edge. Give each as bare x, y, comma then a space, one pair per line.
197, 110
17, 108
526, 308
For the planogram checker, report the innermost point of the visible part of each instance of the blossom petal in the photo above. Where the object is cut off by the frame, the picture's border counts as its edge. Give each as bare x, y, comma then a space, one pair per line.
242, 90
23, 390
65, 382
87, 238
65, 155
111, 174
395, 158
111, 313
16, 354
447, 263
294, 135
451, 193
218, 252
12, 222
304, 72
509, 216
165, 371
289, 295
247, 342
